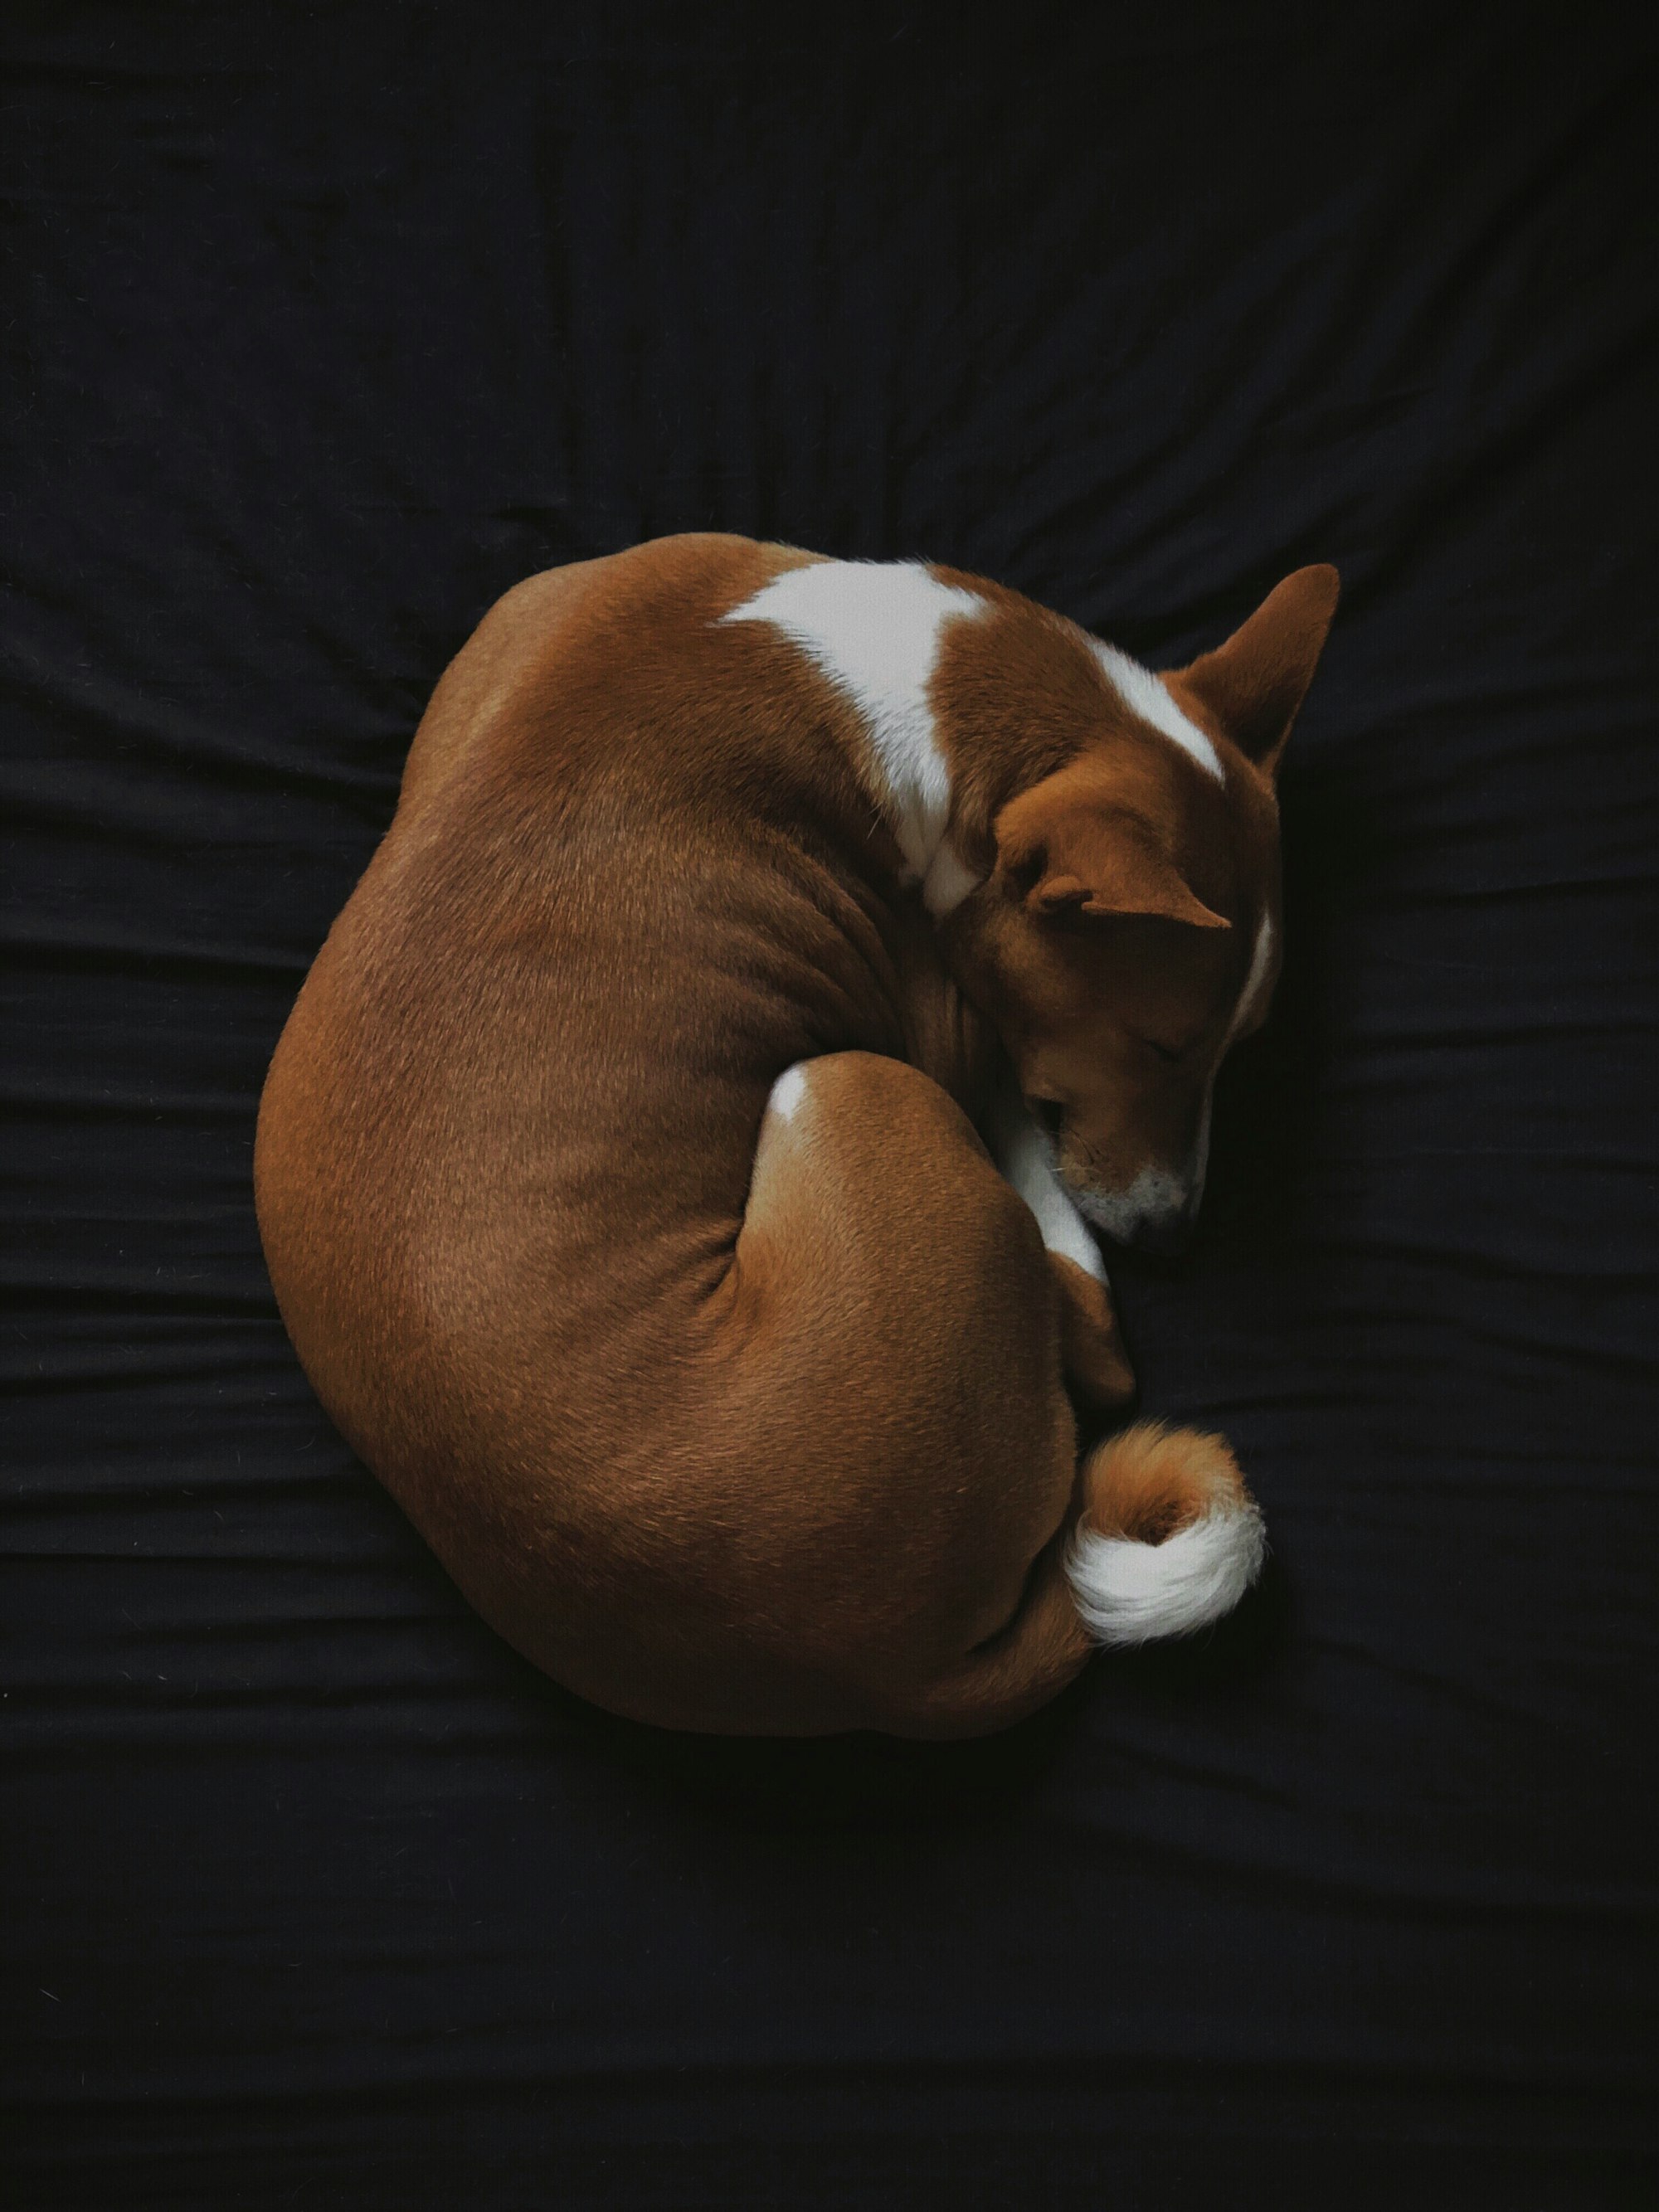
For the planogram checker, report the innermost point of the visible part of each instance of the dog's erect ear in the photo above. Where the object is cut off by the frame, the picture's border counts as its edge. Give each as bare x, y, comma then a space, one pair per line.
1254, 683
1063, 852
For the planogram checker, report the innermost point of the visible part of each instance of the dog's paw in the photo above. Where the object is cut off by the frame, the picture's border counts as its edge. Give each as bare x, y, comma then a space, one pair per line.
1096, 1365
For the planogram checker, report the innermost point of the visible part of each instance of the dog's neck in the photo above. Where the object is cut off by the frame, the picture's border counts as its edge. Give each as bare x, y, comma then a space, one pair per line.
877, 629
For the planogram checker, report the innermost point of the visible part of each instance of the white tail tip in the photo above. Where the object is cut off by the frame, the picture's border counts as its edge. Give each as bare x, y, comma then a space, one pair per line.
1129, 1592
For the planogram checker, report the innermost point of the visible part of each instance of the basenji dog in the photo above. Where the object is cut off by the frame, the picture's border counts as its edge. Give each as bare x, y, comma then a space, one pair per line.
680, 1170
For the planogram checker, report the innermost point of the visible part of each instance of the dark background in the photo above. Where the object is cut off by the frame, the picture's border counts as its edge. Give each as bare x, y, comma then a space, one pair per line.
319, 329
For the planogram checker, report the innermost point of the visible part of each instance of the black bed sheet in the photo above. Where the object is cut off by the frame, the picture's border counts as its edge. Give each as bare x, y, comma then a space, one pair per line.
320, 328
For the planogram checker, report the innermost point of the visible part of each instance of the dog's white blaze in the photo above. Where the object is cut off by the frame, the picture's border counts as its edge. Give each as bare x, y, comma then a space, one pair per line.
1025, 1158
787, 1092
1200, 1166
1145, 694
1248, 998
873, 627
1256, 982
1127, 1592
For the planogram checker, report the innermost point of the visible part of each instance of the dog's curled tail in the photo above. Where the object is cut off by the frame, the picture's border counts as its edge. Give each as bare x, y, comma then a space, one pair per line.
1168, 1539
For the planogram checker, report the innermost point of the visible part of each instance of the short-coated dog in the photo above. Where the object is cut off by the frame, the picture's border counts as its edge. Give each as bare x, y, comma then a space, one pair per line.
680, 1172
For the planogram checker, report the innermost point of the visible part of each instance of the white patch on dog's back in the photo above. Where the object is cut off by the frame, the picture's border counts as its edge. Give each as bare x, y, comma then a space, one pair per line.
787, 1092
1146, 694
873, 627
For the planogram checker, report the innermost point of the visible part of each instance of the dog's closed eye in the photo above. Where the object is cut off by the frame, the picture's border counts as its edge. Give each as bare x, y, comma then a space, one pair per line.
1049, 1116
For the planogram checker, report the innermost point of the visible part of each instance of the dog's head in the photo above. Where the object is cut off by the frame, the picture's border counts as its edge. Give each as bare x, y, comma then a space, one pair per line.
1129, 932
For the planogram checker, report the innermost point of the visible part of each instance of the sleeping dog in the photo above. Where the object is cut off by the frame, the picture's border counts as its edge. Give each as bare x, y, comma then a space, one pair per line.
680, 1170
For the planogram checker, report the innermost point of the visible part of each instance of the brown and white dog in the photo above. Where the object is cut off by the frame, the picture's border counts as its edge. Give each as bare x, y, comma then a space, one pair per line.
676, 1171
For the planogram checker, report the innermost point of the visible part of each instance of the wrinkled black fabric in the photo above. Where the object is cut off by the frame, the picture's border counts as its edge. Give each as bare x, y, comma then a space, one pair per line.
322, 328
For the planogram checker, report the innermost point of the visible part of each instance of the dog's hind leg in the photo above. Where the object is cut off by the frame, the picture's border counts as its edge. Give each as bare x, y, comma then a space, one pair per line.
895, 1342
945, 1556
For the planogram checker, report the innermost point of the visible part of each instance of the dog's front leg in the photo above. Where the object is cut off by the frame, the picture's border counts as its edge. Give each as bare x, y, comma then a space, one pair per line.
1092, 1344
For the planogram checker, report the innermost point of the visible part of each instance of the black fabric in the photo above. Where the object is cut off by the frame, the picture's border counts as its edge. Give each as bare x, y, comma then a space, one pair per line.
322, 327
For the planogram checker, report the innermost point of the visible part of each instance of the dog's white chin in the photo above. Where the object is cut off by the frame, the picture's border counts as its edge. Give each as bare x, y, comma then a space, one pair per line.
1154, 1199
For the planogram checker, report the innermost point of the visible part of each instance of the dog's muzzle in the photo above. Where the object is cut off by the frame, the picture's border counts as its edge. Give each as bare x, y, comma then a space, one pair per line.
1155, 1214
1158, 1211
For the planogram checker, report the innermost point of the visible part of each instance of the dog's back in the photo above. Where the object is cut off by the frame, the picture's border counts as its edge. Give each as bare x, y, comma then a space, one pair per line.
506, 1150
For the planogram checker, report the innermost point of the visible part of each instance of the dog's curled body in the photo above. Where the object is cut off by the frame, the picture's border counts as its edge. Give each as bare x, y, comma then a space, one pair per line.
619, 1178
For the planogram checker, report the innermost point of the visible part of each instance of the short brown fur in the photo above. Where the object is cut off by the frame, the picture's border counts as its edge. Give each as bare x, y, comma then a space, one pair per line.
726, 1425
